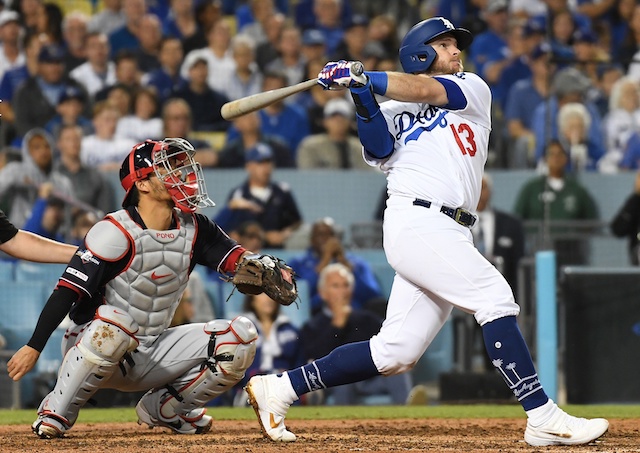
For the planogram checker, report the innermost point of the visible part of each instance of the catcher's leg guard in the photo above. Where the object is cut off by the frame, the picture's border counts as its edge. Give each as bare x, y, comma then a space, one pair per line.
232, 348
85, 368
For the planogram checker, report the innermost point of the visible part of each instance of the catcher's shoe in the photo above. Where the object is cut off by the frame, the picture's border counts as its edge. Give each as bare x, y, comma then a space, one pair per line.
564, 429
194, 422
50, 426
270, 408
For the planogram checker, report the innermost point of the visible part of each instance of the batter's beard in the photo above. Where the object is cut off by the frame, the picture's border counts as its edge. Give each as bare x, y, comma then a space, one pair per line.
445, 68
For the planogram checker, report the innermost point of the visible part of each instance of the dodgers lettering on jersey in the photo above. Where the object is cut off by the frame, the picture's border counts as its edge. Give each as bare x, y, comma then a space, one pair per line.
439, 154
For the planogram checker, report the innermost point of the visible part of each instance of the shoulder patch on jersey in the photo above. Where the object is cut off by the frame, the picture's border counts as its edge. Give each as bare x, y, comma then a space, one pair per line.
107, 241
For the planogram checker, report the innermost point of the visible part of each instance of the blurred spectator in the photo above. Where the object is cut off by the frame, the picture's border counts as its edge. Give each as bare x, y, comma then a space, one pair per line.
49, 23
127, 74
166, 79
207, 13
278, 347
620, 20
121, 97
98, 71
11, 54
47, 215
217, 54
145, 122
383, 29
176, 120
569, 85
306, 16
20, 181
313, 46
631, 42
329, 22
563, 198
338, 323
261, 13
36, 100
181, 21
150, 35
74, 32
588, 53
261, 199
248, 127
325, 248
608, 75
89, 185
622, 120
499, 236
109, 19
204, 102
631, 154
104, 149
574, 122
523, 98
69, 110
290, 59
81, 223
353, 40
626, 222
337, 148
250, 235
30, 11
246, 78
11, 81
126, 37
563, 27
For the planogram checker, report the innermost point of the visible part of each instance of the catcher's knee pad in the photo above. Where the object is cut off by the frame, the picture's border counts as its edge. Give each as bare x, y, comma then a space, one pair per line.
109, 336
232, 346
89, 364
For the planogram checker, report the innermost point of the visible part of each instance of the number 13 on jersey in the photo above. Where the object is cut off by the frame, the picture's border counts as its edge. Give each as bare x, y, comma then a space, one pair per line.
464, 132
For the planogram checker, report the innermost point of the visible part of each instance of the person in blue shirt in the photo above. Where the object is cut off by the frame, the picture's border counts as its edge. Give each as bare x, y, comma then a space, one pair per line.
167, 79
327, 248
125, 37
47, 215
491, 45
259, 198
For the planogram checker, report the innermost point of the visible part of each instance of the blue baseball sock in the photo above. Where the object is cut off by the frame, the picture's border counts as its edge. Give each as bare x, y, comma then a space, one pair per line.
344, 365
510, 355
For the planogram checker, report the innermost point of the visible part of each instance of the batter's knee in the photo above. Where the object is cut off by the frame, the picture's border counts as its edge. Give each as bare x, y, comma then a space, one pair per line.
109, 336
393, 356
507, 307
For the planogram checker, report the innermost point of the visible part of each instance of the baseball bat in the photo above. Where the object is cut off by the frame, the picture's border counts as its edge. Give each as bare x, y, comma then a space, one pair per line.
248, 104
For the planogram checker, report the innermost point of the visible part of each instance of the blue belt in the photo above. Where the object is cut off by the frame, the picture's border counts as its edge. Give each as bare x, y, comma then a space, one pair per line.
462, 216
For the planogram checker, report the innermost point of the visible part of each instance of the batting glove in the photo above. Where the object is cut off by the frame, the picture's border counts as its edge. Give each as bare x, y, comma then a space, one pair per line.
342, 74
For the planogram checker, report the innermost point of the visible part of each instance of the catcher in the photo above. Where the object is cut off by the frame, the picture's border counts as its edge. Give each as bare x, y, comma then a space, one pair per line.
121, 289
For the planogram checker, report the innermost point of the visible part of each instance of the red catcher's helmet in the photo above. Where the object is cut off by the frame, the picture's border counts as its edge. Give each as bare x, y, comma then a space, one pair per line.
171, 160
416, 54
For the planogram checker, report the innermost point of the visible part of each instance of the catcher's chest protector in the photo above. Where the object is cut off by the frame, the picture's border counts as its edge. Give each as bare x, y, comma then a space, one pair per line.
150, 288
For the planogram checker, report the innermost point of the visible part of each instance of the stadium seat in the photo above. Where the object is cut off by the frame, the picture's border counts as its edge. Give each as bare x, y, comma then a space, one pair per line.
7, 270
39, 272
22, 304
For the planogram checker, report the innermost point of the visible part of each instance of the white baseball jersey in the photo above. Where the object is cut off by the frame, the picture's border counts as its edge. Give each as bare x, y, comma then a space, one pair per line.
439, 154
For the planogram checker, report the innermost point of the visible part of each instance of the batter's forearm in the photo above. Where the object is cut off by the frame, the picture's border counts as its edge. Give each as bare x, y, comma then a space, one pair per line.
415, 88
31, 247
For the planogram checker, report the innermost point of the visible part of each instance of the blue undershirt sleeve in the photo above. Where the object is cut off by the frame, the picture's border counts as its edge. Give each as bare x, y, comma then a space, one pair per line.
457, 100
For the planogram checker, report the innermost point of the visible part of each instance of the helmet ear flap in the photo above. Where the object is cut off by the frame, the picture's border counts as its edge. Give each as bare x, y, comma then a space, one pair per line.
425, 58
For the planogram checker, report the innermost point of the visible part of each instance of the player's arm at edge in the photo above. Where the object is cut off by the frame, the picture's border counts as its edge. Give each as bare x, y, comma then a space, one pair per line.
31, 247
372, 127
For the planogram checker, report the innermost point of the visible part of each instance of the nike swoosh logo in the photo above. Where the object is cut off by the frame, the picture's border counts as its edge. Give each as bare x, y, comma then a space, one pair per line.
272, 421
155, 276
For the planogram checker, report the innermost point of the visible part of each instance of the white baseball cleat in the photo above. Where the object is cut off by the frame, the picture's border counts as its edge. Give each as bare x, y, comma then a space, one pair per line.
50, 426
194, 422
564, 429
270, 409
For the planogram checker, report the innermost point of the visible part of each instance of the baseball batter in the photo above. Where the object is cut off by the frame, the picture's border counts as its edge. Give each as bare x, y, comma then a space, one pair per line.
122, 288
431, 141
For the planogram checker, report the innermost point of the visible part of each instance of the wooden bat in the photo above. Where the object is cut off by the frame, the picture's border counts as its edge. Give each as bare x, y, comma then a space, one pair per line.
248, 104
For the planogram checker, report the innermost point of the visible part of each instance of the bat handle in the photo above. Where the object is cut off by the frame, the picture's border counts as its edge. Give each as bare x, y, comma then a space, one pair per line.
357, 68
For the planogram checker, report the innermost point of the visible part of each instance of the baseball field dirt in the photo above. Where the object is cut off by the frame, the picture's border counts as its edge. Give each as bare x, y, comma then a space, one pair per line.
428, 435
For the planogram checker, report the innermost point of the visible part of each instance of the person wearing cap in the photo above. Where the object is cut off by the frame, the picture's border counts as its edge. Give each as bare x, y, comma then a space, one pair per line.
313, 45
568, 85
36, 100
337, 148
232, 154
70, 111
521, 101
261, 199
11, 55
124, 285
47, 215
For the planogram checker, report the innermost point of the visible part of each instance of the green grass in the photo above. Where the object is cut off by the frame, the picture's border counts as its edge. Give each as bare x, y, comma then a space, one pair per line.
127, 414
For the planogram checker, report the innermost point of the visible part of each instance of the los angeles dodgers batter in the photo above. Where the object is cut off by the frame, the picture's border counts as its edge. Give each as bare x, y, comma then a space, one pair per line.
431, 141
122, 288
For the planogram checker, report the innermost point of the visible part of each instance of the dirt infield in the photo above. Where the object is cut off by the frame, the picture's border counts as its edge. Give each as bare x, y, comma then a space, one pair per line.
433, 435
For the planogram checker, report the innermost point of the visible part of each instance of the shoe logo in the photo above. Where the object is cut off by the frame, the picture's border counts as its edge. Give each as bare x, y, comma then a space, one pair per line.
155, 276
272, 421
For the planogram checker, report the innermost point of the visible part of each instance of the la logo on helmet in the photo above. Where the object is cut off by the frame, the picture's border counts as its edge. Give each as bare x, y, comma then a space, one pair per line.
447, 23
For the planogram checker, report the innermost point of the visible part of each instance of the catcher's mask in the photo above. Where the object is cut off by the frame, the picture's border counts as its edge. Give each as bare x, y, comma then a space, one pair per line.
171, 160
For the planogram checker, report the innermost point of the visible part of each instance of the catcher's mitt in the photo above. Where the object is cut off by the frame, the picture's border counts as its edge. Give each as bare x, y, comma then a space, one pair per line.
256, 274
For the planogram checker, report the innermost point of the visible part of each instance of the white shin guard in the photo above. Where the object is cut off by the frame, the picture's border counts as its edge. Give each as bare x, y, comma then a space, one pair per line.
89, 364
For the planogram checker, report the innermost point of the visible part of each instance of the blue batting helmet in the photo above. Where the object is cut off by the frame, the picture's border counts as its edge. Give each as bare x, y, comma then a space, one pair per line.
416, 54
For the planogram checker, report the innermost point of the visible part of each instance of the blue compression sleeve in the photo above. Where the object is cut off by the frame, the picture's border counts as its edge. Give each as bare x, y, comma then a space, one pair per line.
372, 127
379, 81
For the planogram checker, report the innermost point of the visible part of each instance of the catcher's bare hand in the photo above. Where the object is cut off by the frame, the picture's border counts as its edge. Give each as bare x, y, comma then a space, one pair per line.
22, 362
